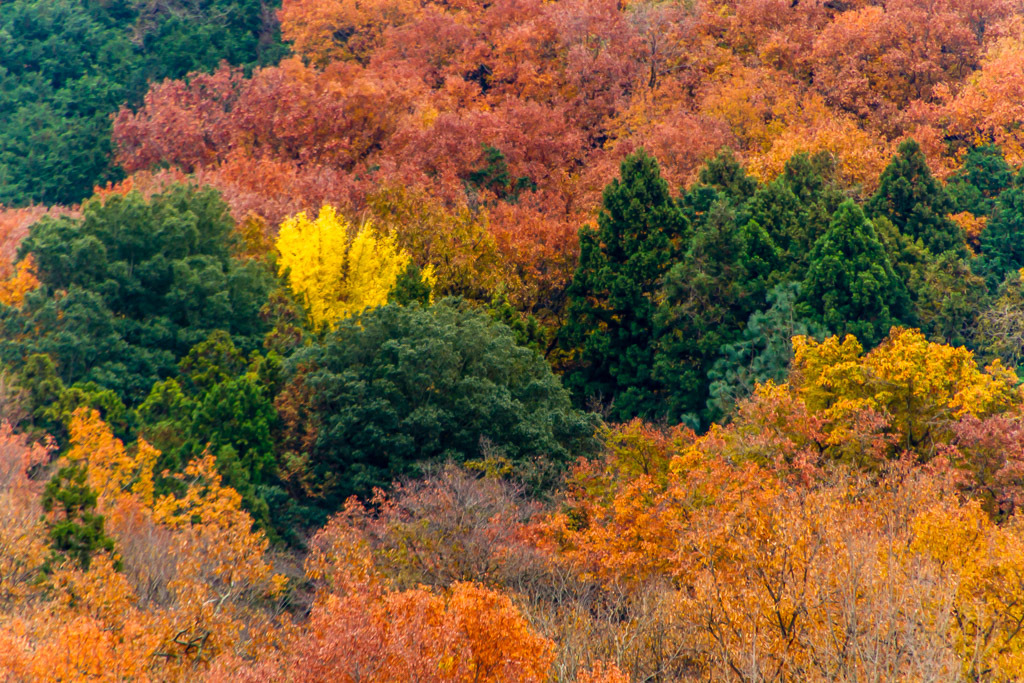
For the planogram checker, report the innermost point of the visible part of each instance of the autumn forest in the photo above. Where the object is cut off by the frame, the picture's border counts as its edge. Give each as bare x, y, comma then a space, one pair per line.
468, 341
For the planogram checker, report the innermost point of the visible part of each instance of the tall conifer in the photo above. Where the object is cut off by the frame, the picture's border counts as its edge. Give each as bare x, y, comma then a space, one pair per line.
612, 299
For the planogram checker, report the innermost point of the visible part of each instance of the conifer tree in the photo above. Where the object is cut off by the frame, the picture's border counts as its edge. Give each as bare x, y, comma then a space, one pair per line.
726, 175
763, 352
1002, 240
612, 298
910, 196
979, 182
75, 528
707, 296
850, 285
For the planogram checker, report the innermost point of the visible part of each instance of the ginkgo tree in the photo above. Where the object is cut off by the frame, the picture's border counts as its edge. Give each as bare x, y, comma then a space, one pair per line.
336, 269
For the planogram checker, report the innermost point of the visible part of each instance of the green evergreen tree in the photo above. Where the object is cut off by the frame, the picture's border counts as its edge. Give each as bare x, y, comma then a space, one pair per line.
1002, 240
812, 180
73, 525
526, 329
763, 353
706, 299
400, 386
410, 287
613, 295
131, 286
223, 403
948, 298
67, 65
916, 203
851, 287
979, 182
724, 173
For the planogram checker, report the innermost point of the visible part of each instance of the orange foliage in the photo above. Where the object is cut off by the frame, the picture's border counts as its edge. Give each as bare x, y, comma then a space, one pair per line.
471, 634
24, 280
392, 93
322, 31
141, 623
987, 108
22, 549
14, 225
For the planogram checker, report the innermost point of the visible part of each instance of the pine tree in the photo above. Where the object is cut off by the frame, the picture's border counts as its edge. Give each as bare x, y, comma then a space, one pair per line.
916, 203
763, 353
851, 286
612, 298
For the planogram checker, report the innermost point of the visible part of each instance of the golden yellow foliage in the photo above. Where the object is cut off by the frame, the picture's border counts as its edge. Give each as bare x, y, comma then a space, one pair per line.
920, 386
24, 280
987, 561
335, 272
111, 470
195, 581
972, 226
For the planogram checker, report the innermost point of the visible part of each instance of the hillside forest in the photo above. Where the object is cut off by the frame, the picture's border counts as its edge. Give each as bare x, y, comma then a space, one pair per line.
468, 341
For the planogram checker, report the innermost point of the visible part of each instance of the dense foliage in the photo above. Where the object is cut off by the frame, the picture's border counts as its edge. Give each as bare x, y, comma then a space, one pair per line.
511, 341
127, 289
403, 385
67, 65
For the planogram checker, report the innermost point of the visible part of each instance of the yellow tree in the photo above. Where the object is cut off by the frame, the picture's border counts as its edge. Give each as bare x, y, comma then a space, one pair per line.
337, 270
986, 563
920, 386
23, 281
196, 583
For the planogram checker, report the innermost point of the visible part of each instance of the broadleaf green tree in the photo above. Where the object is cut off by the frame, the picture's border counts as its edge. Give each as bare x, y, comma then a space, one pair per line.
400, 386
128, 288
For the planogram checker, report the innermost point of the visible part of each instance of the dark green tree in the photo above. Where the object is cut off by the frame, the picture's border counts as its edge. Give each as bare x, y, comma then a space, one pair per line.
851, 287
410, 287
131, 286
916, 202
493, 176
706, 299
72, 523
979, 182
400, 386
763, 353
613, 295
1002, 240
67, 65
724, 173
811, 182
526, 329
222, 403
212, 361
